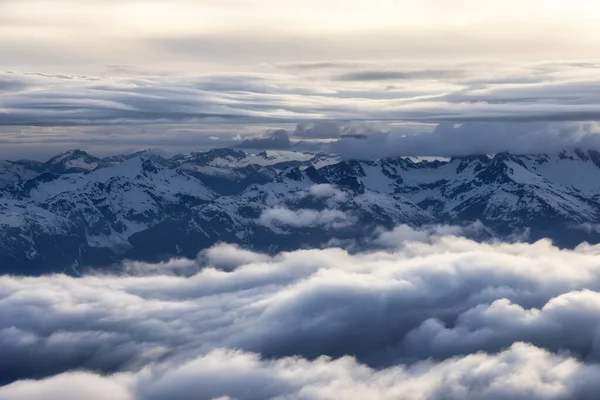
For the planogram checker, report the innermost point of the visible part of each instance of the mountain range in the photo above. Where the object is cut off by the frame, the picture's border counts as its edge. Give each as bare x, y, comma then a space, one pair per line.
77, 210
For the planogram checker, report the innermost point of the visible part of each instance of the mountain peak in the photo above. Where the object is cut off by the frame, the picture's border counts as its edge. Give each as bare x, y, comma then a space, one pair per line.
204, 197
207, 157
69, 154
75, 160
227, 152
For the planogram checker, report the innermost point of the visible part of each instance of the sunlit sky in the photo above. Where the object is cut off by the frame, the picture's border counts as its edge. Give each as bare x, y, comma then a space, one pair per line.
74, 72
84, 35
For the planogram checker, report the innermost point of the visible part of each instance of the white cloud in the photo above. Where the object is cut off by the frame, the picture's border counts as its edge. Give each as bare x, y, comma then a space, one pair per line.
331, 193
305, 218
70, 386
226, 256
520, 372
404, 233
439, 297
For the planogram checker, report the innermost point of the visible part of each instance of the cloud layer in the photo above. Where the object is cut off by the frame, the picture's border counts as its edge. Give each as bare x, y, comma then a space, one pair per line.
110, 76
291, 92
449, 140
437, 313
520, 372
396, 108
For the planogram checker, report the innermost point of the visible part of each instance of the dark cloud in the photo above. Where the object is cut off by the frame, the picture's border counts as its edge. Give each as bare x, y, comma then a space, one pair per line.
76, 100
276, 140
10, 85
83, 100
472, 95
332, 129
400, 75
354, 136
450, 140
319, 130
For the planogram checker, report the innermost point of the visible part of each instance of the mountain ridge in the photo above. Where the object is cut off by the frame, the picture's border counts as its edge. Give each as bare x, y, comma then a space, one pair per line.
79, 210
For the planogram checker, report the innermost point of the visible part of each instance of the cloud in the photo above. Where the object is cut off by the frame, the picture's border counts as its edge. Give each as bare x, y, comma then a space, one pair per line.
450, 140
435, 295
180, 266
10, 85
399, 75
404, 233
332, 129
476, 108
305, 218
229, 257
495, 326
328, 191
458, 93
276, 140
319, 130
43, 142
520, 372
89, 386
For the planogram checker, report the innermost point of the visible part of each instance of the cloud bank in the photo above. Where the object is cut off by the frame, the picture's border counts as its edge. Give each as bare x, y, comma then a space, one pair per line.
449, 140
378, 109
435, 315
520, 372
459, 93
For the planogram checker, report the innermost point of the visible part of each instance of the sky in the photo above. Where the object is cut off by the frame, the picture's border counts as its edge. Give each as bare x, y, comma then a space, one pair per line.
424, 314
111, 76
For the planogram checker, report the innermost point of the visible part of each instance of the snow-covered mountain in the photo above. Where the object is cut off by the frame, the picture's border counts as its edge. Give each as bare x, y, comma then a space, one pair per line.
77, 210
11, 172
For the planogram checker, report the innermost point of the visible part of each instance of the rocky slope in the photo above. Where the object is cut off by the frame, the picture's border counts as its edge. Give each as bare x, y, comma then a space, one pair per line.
78, 210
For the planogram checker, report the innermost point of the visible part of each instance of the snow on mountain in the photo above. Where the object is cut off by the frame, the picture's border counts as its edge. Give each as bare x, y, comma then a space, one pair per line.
576, 170
230, 171
72, 161
11, 172
77, 209
234, 159
99, 209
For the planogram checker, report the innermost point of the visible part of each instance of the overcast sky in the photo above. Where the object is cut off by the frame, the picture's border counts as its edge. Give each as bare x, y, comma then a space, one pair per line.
83, 36
73, 72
